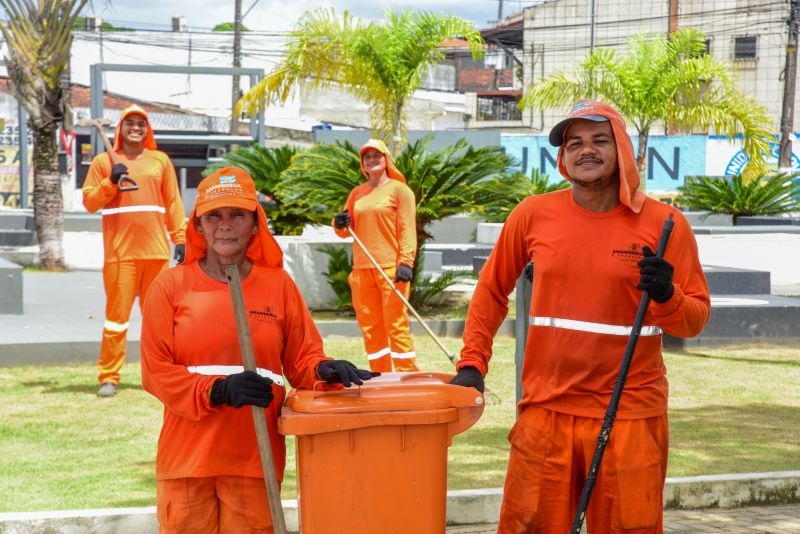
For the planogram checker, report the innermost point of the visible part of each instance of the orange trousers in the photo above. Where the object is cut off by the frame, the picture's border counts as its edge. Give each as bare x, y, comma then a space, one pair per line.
123, 280
550, 455
383, 319
213, 505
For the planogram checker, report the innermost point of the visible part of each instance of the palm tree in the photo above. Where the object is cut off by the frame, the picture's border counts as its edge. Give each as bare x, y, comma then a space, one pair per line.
453, 180
266, 167
668, 81
39, 38
381, 64
456, 179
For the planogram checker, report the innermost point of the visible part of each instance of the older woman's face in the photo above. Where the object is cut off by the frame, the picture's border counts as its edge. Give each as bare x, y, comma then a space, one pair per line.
227, 231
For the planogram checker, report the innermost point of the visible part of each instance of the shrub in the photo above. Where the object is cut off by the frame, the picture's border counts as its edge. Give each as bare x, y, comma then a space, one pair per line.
769, 195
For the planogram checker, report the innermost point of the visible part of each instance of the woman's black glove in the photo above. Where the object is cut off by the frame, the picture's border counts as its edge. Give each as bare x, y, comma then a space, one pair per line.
656, 276
180, 253
343, 372
243, 388
404, 273
469, 377
342, 220
117, 172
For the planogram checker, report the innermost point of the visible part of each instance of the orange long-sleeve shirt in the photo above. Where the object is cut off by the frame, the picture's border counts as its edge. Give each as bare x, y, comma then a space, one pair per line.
584, 296
384, 219
188, 329
134, 221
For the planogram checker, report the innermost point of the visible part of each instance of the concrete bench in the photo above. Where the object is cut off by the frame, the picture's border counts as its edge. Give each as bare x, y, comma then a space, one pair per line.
10, 288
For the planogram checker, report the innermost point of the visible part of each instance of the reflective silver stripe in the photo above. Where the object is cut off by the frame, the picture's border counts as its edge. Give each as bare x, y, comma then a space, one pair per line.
232, 369
595, 328
115, 327
380, 354
404, 355
132, 209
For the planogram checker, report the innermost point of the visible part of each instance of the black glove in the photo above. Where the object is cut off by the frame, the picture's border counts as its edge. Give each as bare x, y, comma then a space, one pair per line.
117, 171
180, 253
342, 220
343, 372
469, 377
243, 388
404, 273
656, 276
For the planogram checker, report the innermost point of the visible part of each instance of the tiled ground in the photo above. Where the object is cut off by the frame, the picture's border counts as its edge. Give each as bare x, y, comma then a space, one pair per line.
763, 519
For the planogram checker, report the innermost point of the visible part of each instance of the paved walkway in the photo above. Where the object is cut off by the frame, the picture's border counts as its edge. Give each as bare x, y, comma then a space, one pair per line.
763, 519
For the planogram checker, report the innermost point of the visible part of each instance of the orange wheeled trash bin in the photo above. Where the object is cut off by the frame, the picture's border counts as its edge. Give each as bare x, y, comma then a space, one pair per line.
373, 459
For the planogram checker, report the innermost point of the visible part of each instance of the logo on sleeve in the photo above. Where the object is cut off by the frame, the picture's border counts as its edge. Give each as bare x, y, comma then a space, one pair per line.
631, 253
263, 315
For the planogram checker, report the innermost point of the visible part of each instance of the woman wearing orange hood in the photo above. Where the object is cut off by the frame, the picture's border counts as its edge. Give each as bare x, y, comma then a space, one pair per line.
382, 213
208, 470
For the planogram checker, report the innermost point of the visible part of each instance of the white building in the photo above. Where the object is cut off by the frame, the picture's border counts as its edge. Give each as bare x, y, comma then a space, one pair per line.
557, 36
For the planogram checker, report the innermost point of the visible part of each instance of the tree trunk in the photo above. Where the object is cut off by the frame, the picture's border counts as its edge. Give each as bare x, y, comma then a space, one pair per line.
641, 158
48, 203
396, 139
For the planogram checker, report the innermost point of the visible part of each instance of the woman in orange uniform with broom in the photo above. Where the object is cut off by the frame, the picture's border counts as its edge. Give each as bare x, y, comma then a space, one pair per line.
382, 212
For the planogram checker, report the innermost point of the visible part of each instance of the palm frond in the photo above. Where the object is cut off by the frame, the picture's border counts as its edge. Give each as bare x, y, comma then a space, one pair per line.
668, 81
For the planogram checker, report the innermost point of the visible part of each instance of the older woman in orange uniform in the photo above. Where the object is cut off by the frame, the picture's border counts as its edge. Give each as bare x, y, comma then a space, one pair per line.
382, 213
208, 470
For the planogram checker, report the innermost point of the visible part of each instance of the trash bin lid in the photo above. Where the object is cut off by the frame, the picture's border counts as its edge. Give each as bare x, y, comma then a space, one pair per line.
390, 399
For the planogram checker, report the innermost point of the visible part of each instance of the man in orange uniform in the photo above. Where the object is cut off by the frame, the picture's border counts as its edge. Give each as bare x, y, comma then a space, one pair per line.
134, 241
592, 250
382, 213
208, 469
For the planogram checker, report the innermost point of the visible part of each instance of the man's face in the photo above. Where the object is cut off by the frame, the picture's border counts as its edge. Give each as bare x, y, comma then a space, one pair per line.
590, 153
134, 129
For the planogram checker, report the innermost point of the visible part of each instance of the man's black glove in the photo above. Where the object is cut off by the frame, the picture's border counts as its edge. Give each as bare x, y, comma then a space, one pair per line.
117, 171
343, 372
342, 220
243, 388
469, 377
656, 276
180, 253
404, 273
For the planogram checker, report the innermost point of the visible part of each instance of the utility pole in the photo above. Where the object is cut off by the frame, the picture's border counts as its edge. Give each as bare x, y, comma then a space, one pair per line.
237, 63
591, 27
674, 11
789, 84
499, 11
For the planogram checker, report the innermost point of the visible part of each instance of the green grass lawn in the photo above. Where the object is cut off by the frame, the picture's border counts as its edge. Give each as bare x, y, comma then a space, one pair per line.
731, 410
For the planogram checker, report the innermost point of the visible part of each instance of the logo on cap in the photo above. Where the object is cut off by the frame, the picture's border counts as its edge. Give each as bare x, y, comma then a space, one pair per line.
227, 179
579, 105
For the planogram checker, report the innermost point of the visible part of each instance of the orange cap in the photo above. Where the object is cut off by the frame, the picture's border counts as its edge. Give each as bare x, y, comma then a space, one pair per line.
149, 138
232, 187
228, 187
380, 146
629, 193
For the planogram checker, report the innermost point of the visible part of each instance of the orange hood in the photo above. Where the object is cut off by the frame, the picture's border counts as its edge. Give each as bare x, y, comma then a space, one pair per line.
629, 193
232, 187
149, 138
380, 146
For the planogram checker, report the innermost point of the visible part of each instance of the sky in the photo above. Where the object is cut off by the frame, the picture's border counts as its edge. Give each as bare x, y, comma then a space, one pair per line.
279, 15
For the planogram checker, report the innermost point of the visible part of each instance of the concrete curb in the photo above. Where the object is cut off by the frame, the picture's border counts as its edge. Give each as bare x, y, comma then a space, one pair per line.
44, 352
464, 507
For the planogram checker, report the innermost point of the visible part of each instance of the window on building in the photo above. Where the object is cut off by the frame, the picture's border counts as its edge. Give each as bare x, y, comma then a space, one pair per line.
745, 48
499, 108
708, 47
